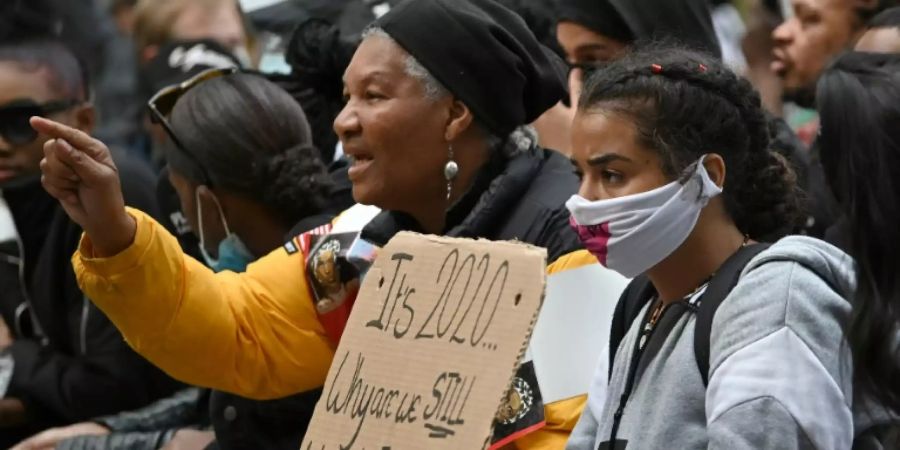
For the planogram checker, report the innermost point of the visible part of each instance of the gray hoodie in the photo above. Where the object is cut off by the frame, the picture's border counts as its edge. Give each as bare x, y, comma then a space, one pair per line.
780, 369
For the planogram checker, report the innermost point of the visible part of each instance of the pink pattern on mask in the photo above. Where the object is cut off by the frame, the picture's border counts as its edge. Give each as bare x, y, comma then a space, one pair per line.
594, 237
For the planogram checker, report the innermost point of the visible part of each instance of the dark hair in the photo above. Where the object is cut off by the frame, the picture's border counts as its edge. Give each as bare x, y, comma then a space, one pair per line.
889, 18
859, 104
30, 35
686, 104
318, 57
252, 139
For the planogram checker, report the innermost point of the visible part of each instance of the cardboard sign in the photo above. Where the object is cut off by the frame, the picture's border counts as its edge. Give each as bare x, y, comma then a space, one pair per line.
431, 347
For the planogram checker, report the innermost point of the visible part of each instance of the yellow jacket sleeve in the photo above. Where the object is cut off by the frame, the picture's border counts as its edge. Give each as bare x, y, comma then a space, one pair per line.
254, 334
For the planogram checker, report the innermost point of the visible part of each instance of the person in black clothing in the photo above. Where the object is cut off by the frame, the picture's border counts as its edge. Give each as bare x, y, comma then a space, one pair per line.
61, 360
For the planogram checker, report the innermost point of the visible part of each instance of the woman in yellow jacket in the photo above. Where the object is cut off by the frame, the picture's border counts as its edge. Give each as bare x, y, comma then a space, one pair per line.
434, 134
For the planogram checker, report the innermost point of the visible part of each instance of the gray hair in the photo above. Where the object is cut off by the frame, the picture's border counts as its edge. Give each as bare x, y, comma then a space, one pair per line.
433, 88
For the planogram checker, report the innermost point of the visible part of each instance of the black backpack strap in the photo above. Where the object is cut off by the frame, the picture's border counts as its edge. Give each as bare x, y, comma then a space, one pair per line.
638, 292
721, 284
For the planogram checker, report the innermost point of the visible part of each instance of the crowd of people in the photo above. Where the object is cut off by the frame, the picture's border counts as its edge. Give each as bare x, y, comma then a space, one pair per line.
173, 173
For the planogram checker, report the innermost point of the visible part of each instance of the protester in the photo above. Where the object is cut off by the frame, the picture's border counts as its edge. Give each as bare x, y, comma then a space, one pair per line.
679, 193
436, 147
62, 361
240, 214
818, 31
859, 103
883, 34
594, 32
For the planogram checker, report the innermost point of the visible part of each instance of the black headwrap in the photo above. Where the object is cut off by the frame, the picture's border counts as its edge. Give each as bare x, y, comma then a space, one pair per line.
484, 54
598, 15
686, 21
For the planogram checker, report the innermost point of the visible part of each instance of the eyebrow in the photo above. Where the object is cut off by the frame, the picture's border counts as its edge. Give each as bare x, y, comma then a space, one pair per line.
374, 75
606, 158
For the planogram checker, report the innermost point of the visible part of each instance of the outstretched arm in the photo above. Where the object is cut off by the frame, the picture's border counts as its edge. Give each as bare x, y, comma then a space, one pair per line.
254, 334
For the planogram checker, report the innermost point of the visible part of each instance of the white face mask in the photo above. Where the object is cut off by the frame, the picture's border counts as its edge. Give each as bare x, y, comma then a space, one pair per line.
632, 234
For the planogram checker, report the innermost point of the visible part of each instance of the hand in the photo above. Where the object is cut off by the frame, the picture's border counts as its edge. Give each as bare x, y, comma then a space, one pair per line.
190, 440
80, 173
47, 440
6, 337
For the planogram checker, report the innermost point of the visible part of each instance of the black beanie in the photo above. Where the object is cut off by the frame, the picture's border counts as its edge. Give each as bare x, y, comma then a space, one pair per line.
597, 15
484, 54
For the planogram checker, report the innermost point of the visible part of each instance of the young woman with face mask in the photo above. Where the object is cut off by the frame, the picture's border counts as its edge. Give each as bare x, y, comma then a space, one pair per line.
242, 186
677, 179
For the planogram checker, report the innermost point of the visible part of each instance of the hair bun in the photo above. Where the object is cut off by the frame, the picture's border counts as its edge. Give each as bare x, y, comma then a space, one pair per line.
318, 56
296, 182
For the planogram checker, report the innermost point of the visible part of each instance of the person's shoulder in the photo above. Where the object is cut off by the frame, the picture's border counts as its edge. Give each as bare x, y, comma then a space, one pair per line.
800, 285
811, 256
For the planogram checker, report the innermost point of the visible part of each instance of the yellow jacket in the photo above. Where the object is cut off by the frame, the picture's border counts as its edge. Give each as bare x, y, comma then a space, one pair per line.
255, 334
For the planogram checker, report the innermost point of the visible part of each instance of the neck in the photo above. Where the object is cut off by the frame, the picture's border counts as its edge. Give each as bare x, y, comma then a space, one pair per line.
432, 216
710, 244
258, 228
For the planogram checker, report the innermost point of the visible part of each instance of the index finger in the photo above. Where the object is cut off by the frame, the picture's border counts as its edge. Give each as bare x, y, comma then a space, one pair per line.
78, 139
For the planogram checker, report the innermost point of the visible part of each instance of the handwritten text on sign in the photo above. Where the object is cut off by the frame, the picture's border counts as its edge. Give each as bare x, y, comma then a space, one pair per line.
434, 339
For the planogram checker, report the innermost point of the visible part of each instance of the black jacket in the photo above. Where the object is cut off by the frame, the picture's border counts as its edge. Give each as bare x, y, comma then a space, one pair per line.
71, 364
521, 197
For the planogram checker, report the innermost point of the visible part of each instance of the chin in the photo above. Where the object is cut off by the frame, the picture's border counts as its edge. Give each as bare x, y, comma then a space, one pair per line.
362, 194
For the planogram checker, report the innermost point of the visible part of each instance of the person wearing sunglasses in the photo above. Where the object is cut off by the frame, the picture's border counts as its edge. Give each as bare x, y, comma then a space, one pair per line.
438, 144
61, 360
594, 32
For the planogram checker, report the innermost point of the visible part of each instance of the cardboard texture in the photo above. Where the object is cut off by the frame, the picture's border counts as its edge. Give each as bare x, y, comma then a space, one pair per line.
431, 347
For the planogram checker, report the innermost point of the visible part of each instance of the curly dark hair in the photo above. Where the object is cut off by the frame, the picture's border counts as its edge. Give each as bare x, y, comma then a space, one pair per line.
252, 139
686, 104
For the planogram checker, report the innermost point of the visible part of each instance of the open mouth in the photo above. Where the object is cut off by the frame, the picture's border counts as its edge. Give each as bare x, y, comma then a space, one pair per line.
779, 65
358, 165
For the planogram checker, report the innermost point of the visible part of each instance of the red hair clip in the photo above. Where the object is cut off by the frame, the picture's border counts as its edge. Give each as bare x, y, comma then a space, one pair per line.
703, 68
656, 68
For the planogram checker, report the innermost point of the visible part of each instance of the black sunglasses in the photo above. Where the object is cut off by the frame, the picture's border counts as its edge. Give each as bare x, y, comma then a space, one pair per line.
14, 118
162, 104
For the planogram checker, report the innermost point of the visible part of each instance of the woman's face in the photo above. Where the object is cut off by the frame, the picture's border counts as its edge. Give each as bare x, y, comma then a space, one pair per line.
394, 133
608, 155
585, 46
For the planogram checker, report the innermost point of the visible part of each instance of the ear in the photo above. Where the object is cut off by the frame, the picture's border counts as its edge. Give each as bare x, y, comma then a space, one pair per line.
715, 166
86, 118
460, 119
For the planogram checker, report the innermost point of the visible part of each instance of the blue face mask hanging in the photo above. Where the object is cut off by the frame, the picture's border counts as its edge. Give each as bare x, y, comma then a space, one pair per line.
233, 253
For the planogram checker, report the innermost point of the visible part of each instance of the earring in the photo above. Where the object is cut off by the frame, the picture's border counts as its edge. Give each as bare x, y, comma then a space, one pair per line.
451, 169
